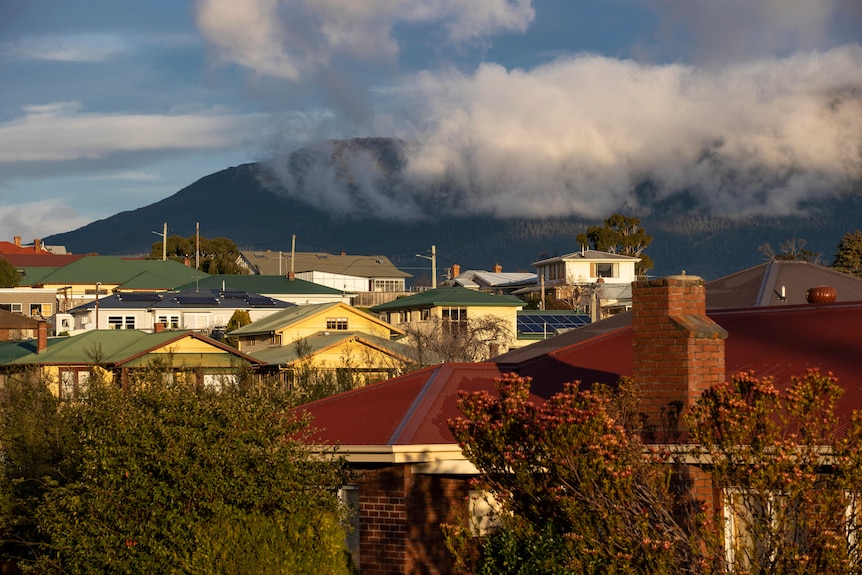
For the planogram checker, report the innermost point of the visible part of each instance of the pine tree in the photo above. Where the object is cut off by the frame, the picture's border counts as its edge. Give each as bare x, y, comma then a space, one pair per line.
848, 258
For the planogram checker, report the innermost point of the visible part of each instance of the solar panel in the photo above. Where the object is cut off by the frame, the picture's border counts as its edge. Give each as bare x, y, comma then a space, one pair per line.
259, 300
234, 294
550, 323
196, 300
139, 296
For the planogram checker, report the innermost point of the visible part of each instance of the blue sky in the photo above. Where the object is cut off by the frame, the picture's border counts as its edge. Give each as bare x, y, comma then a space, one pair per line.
535, 106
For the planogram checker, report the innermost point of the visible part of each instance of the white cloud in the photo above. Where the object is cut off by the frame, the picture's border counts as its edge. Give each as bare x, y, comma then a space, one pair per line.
579, 135
61, 132
294, 39
67, 48
39, 219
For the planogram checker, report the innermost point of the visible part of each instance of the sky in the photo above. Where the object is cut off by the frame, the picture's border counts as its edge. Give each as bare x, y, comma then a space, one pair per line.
534, 107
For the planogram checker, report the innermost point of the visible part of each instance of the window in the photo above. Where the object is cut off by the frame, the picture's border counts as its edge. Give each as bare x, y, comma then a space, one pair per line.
606, 270
170, 321
484, 512
120, 322
454, 314
41, 309
349, 497
13, 307
388, 285
338, 323
454, 320
219, 381
751, 520
74, 383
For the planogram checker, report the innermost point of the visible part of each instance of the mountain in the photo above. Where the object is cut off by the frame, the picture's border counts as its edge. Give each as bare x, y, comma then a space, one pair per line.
350, 196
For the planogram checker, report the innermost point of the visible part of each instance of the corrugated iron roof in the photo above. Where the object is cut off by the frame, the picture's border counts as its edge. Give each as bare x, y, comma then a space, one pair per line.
449, 296
116, 270
360, 266
762, 285
268, 284
779, 342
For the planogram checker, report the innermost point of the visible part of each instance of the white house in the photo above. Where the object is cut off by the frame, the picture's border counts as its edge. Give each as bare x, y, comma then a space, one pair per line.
585, 280
202, 310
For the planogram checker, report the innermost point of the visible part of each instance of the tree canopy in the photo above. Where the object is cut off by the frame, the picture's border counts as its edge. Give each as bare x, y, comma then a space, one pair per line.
791, 250
583, 487
620, 235
165, 477
217, 256
848, 258
9, 276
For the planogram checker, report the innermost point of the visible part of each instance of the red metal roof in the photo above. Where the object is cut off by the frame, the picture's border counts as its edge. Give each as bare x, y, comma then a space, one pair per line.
780, 341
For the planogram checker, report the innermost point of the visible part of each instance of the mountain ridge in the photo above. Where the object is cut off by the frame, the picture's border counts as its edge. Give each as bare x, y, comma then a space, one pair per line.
254, 206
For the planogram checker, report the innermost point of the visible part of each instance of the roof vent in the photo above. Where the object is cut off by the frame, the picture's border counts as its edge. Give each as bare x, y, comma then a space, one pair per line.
821, 294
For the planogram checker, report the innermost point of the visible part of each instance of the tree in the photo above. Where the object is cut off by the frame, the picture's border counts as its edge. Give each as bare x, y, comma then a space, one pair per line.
9, 276
466, 340
768, 452
571, 475
848, 258
620, 235
791, 250
168, 477
217, 256
582, 491
238, 319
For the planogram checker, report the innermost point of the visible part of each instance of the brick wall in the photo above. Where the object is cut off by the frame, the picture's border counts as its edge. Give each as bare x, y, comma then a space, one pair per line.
400, 517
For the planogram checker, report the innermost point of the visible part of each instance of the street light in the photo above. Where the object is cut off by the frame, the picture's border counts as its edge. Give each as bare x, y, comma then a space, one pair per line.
433, 258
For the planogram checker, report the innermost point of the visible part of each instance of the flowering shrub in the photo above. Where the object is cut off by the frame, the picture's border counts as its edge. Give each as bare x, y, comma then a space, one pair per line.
582, 492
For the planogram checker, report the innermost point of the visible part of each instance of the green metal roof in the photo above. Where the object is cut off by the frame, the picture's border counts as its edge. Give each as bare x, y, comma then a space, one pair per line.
285, 355
263, 284
449, 296
282, 319
34, 275
158, 274
106, 346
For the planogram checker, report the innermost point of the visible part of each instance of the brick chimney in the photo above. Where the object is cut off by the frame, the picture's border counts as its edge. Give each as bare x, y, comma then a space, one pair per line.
37, 245
17, 240
159, 327
42, 336
498, 269
456, 270
678, 350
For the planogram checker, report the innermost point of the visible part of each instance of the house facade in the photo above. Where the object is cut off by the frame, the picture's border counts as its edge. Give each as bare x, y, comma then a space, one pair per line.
589, 280
68, 363
202, 310
332, 336
412, 476
38, 303
349, 273
295, 291
455, 307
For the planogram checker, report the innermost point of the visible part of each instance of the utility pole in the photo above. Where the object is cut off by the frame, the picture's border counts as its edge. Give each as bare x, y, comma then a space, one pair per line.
433, 259
197, 245
165, 242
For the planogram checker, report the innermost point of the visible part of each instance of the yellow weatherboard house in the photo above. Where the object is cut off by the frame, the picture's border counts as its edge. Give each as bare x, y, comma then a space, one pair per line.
333, 336
68, 363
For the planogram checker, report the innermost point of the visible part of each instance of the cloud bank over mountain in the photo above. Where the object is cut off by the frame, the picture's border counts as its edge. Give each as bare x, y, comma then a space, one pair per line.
764, 116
